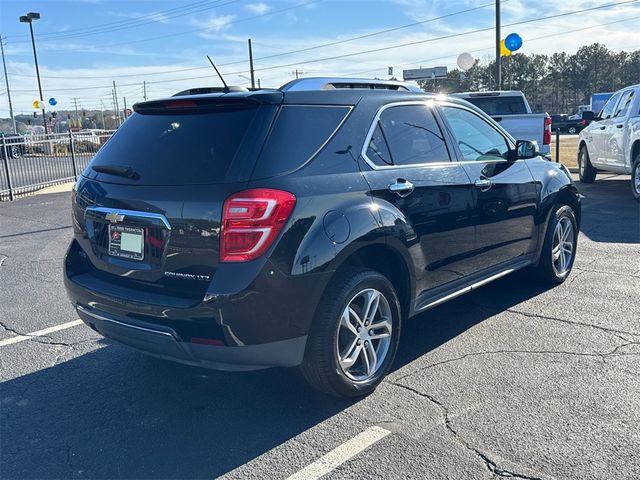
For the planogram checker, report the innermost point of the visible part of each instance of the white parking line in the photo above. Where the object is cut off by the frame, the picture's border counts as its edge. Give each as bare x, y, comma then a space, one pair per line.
40, 333
341, 454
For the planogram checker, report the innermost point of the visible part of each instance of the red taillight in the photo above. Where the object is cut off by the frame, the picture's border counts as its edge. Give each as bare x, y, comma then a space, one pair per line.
583, 122
546, 137
251, 221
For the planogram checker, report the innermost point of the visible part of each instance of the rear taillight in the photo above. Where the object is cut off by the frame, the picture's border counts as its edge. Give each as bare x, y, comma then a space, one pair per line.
546, 137
251, 221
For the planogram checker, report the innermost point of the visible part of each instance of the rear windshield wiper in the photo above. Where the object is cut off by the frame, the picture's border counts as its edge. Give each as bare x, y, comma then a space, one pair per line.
120, 170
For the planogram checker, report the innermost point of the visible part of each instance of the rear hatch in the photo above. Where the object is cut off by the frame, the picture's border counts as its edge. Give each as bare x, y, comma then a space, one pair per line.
148, 208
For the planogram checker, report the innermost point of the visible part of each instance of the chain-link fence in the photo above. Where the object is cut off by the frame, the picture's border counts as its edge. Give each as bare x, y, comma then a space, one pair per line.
38, 161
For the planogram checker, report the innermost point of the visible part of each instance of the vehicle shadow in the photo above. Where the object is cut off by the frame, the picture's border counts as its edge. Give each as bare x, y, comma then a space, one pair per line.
115, 413
609, 212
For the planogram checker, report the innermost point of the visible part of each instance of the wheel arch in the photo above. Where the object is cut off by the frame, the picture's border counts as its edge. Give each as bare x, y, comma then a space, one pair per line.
635, 150
386, 260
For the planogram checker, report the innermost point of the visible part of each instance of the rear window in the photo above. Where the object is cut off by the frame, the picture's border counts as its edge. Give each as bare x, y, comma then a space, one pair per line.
299, 133
178, 149
499, 105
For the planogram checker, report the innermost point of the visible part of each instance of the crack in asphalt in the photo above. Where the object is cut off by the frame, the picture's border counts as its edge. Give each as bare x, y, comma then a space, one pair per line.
491, 465
7, 328
612, 331
601, 355
43, 339
628, 275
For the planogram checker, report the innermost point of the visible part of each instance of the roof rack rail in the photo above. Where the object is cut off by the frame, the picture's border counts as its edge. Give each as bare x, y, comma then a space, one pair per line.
328, 83
203, 90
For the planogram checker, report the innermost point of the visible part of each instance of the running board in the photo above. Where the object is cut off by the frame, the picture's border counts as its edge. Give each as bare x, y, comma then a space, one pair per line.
466, 289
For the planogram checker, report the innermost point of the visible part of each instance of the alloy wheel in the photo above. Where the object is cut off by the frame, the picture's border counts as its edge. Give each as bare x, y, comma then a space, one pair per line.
636, 180
563, 246
364, 335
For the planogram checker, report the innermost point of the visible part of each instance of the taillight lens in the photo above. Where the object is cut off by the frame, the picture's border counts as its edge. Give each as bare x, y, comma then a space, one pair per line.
546, 137
251, 221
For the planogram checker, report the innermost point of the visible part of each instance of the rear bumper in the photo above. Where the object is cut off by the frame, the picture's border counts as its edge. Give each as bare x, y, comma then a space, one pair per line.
163, 342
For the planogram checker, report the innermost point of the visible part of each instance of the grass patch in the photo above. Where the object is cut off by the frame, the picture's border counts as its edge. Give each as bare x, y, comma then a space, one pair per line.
568, 150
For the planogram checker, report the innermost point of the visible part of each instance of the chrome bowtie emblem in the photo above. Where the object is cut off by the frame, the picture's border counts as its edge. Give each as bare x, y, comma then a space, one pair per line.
114, 217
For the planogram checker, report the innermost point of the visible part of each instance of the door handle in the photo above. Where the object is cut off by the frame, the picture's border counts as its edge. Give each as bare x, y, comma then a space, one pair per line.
402, 187
602, 128
483, 184
620, 125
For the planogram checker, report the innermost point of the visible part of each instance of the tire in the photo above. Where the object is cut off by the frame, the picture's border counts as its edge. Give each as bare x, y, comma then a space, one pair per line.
332, 340
555, 262
586, 171
635, 178
14, 151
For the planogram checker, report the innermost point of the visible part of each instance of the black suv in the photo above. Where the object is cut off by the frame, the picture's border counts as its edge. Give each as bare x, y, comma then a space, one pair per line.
301, 226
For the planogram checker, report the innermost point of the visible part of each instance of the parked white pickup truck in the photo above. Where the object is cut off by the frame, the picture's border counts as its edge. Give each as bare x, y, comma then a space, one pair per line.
512, 111
612, 141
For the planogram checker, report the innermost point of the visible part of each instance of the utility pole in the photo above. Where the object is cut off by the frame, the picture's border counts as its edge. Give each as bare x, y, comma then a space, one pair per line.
144, 90
498, 52
124, 100
75, 102
6, 79
104, 125
115, 96
253, 81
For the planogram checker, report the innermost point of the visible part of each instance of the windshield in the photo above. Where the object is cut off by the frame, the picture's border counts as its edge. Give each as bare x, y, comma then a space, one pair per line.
499, 105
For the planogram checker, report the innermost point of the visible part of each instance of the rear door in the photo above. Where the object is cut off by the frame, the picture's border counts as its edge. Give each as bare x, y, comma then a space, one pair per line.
424, 197
505, 195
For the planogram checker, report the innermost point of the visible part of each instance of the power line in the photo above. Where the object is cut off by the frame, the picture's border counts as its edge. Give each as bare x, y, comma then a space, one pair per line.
380, 32
566, 32
133, 23
375, 50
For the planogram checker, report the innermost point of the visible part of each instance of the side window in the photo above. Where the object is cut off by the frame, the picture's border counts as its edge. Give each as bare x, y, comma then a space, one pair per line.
625, 104
608, 110
297, 135
378, 149
477, 138
407, 135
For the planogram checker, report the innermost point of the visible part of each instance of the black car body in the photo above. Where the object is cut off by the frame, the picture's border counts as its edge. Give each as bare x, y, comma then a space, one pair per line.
566, 124
182, 174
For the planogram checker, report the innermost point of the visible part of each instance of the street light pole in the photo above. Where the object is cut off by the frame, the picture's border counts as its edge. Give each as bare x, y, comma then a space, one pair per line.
29, 18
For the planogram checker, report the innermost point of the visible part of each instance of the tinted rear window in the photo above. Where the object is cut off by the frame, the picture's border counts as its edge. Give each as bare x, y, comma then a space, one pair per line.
499, 105
179, 149
299, 133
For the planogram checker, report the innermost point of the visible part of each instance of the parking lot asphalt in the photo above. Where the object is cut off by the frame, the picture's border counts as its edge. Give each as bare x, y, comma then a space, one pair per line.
511, 381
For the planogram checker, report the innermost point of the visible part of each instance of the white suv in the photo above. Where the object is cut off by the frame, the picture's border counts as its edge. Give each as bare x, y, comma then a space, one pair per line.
612, 141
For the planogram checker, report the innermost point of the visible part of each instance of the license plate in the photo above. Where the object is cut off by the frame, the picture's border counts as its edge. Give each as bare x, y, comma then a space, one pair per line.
126, 242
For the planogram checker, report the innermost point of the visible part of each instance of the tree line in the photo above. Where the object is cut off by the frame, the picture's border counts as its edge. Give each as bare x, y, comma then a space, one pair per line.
556, 83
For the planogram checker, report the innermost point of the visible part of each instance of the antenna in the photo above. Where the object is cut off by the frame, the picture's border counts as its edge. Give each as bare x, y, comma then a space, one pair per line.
226, 87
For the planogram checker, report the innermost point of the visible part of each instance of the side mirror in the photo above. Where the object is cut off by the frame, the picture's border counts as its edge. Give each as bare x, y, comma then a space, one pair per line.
526, 149
588, 116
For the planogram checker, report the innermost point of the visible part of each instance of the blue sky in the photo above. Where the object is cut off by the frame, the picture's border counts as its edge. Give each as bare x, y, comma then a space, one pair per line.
83, 45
